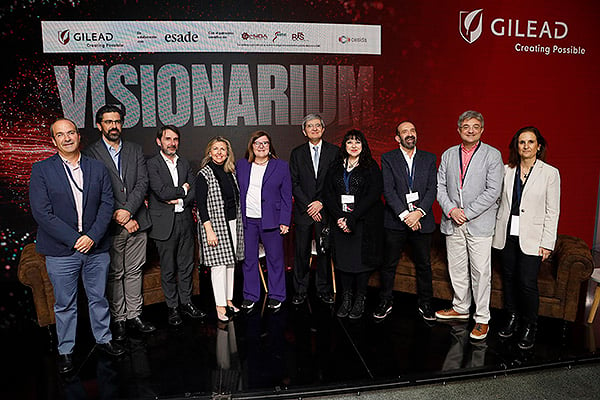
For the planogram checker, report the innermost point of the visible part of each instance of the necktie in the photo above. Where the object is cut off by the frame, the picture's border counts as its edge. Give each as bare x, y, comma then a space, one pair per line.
315, 159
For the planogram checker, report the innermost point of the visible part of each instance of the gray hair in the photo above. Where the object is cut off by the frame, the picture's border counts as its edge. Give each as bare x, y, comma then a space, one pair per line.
468, 115
310, 117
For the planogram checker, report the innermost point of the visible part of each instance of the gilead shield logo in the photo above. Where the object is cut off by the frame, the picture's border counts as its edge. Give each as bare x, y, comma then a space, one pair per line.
64, 37
470, 24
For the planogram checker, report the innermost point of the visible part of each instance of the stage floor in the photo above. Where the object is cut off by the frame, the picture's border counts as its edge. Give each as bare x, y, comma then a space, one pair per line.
298, 351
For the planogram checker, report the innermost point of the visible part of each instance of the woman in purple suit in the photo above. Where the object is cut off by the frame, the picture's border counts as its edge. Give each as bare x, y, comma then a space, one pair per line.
266, 202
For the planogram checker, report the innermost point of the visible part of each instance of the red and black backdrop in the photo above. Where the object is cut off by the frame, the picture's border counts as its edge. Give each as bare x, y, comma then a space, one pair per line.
518, 63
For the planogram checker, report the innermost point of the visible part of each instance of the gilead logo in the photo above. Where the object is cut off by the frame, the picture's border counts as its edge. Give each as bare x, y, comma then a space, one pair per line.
470, 24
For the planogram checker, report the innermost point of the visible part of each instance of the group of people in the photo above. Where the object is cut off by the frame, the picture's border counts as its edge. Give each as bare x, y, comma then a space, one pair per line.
93, 222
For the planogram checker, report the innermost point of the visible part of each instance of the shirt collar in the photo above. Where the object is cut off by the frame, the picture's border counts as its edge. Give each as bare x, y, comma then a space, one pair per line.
168, 160
66, 162
318, 145
406, 153
110, 148
462, 147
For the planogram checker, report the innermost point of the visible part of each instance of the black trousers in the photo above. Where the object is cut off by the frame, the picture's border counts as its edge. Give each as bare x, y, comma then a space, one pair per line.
304, 236
395, 241
177, 262
520, 280
360, 280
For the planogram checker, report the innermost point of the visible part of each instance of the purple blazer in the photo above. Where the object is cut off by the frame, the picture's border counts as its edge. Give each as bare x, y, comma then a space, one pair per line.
276, 192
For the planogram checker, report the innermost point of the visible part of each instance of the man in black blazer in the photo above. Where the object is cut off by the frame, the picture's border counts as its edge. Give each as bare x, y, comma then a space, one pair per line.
170, 205
309, 163
127, 169
409, 188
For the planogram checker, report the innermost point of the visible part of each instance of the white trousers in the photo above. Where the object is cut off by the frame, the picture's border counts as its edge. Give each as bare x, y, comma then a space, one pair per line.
222, 275
470, 269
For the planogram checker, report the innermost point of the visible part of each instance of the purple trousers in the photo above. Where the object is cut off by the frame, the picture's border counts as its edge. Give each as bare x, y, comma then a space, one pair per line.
273, 243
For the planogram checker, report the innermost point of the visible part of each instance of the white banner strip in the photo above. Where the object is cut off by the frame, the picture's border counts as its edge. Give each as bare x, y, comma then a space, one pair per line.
209, 36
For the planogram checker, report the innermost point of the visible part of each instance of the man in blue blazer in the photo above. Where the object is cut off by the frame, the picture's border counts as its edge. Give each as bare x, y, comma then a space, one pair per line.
71, 201
409, 188
127, 170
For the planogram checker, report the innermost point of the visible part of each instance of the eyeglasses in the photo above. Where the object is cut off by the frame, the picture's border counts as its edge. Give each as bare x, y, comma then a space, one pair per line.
259, 144
317, 125
467, 127
109, 122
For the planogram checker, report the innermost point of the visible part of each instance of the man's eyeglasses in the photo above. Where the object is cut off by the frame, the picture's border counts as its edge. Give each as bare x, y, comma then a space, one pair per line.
109, 122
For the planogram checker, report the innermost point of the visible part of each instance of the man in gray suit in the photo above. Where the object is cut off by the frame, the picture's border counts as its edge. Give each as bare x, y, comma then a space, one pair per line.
127, 168
170, 204
469, 185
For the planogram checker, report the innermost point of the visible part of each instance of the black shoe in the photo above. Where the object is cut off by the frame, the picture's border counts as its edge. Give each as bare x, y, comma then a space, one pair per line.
528, 338
247, 304
64, 362
138, 324
274, 304
118, 331
358, 308
192, 311
174, 317
325, 297
426, 312
110, 348
383, 309
298, 299
511, 326
346, 305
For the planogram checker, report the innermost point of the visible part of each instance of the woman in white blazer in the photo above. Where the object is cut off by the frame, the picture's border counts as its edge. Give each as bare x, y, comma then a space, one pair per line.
526, 226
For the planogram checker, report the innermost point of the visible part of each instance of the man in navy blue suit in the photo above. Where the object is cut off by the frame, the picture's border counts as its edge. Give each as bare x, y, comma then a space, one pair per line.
409, 188
71, 200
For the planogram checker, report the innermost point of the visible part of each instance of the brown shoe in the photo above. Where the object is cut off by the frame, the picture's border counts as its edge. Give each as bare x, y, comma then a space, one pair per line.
479, 331
450, 313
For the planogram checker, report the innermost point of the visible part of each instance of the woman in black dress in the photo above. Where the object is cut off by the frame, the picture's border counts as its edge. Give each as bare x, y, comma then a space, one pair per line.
353, 200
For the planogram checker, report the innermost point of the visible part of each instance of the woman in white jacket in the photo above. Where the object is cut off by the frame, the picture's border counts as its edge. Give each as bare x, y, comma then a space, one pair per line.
526, 226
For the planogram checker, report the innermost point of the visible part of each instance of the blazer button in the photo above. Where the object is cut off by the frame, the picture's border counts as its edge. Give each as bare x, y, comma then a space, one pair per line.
522, 210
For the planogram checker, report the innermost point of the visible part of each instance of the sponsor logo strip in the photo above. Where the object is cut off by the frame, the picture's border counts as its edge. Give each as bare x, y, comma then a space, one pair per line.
207, 36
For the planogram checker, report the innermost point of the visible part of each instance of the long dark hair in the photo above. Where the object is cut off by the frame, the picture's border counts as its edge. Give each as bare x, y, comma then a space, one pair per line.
513, 156
365, 158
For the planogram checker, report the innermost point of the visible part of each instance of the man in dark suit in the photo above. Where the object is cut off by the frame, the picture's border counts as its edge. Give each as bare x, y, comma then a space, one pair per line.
170, 206
71, 200
127, 169
409, 188
309, 163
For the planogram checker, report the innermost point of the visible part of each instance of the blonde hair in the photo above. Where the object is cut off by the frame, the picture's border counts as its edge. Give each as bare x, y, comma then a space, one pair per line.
229, 165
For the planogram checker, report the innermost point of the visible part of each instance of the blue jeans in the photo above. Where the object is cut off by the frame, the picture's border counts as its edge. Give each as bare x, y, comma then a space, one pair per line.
64, 274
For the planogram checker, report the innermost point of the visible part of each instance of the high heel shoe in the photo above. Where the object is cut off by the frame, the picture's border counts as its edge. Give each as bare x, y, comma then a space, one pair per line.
222, 316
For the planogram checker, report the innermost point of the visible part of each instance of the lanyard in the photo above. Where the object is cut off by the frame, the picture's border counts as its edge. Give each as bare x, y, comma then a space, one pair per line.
521, 185
72, 179
410, 172
463, 174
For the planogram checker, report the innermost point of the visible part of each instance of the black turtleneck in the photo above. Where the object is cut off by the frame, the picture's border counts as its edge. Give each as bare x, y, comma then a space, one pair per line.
228, 190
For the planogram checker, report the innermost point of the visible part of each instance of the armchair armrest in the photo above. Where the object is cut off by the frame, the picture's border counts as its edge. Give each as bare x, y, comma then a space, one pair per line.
32, 272
572, 263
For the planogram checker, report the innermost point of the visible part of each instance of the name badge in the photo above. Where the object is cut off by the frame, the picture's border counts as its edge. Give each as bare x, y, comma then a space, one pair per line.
412, 197
514, 225
347, 202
